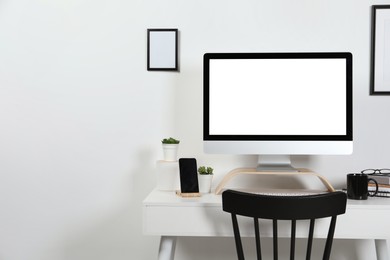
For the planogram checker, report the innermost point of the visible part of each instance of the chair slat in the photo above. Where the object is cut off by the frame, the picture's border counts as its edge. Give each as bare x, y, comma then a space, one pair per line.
329, 239
292, 243
257, 234
310, 239
237, 237
275, 234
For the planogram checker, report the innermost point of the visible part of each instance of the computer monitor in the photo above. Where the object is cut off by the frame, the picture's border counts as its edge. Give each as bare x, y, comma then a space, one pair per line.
277, 104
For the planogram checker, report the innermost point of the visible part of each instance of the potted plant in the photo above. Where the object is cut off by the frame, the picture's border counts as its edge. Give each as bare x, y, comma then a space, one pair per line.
205, 178
170, 147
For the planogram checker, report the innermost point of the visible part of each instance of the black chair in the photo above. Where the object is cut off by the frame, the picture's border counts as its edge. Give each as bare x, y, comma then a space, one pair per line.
306, 207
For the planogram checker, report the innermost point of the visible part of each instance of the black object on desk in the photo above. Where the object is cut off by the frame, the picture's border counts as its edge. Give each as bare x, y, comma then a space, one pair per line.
188, 175
357, 186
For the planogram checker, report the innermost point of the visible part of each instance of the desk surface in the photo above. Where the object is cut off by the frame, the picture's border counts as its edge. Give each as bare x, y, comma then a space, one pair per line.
166, 214
169, 198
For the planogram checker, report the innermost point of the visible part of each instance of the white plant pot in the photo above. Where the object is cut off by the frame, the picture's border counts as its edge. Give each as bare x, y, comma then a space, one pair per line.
170, 152
205, 182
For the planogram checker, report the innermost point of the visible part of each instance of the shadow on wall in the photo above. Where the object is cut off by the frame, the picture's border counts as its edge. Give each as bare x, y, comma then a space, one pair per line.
118, 234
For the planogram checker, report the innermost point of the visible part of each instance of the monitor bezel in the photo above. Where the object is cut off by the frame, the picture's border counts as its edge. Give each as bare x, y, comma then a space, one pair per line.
296, 55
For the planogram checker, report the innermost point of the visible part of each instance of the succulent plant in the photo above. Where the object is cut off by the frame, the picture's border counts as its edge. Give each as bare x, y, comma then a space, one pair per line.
203, 170
170, 140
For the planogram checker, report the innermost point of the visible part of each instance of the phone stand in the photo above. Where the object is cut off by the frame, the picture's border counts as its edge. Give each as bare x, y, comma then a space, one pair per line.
187, 194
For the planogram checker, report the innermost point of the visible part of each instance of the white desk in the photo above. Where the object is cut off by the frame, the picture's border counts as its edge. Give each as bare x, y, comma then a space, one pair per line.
167, 215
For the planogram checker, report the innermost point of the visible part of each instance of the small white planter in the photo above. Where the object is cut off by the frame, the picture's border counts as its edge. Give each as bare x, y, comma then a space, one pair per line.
170, 152
205, 181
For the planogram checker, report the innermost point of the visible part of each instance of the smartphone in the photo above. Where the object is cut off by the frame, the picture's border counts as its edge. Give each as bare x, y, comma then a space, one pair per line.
188, 175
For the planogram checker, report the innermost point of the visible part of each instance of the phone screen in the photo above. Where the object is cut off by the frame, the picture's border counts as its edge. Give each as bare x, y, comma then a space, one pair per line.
188, 175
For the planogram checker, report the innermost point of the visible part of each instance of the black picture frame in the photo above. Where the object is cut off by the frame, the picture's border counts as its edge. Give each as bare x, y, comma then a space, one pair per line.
380, 53
162, 49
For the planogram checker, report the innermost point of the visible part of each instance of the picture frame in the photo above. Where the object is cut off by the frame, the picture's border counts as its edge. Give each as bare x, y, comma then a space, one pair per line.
380, 56
162, 49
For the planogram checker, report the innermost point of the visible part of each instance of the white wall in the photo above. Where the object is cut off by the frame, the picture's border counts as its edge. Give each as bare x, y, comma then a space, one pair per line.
81, 118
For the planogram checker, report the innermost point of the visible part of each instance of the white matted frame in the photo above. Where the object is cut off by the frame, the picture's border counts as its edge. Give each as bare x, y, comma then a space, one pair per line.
162, 49
380, 56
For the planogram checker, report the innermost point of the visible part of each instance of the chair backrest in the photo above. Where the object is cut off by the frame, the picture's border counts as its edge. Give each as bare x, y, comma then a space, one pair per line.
306, 207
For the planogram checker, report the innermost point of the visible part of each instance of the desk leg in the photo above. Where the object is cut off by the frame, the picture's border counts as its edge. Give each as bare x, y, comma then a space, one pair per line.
167, 248
382, 252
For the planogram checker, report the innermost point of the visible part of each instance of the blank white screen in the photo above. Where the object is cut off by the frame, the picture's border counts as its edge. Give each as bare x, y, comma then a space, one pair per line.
277, 96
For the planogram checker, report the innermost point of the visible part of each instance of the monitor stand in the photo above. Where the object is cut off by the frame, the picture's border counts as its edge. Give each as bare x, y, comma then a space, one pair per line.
272, 165
275, 163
